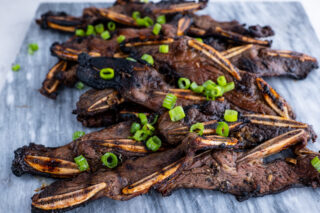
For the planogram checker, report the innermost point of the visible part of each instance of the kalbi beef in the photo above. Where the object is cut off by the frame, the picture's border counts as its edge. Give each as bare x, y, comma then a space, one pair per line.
59, 162
176, 168
198, 62
250, 129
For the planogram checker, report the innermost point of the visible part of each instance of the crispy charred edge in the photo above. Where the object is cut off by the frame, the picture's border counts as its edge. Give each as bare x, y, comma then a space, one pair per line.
274, 100
183, 25
51, 84
216, 57
24, 162
182, 6
59, 21
68, 54
275, 145
67, 201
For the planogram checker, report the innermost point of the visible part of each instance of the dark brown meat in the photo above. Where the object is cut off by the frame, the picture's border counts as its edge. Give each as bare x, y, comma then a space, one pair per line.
179, 167
250, 129
59, 161
200, 62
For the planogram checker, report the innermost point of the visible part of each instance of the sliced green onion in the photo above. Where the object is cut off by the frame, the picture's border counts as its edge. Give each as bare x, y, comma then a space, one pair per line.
230, 86
90, 30
198, 127
315, 162
16, 67
79, 85
33, 46
136, 15
140, 21
154, 120
111, 26
153, 143
199, 39
217, 91
230, 115
208, 83
141, 135
121, 38
184, 83
161, 19
131, 59
107, 73
143, 118
77, 135
176, 114
222, 129
169, 101
164, 48
80, 32
82, 163
105, 35
209, 95
222, 81
193, 86
156, 29
99, 28
148, 58
144, 1
135, 127
148, 127
199, 89
110, 160
148, 21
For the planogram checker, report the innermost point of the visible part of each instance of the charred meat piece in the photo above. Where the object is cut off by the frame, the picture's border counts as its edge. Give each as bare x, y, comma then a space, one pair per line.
206, 26
135, 82
265, 62
119, 13
181, 167
200, 62
59, 161
250, 129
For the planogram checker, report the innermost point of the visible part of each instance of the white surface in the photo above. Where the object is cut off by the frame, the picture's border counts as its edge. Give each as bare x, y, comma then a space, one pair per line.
16, 16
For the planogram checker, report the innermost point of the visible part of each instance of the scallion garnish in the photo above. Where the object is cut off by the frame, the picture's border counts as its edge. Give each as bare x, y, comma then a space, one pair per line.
222, 81
184, 83
149, 128
208, 84
99, 28
135, 127
156, 29
107, 73
33, 47
131, 59
148, 21
110, 160
111, 26
144, 1
136, 15
80, 32
77, 135
169, 101
164, 48
82, 163
16, 67
198, 127
315, 162
161, 19
79, 85
177, 113
199, 39
105, 35
121, 38
143, 118
148, 58
141, 135
228, 87
153, 143
230, 115
222, 129
154, 120
90, 30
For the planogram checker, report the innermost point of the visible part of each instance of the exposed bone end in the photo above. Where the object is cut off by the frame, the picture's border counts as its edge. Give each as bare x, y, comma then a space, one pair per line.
64, 52
274, 145
215, 141
66, 200
183, 25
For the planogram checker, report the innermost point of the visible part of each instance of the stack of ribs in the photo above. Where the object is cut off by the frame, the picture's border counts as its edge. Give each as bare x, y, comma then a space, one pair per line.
237, 164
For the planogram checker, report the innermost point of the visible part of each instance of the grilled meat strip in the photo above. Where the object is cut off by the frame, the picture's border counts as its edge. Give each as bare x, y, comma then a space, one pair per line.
200, 62
163, 171
59, 161
119, 13
250, 129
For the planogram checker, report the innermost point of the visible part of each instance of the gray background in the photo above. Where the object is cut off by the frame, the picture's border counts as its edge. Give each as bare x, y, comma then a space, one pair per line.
28, 116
